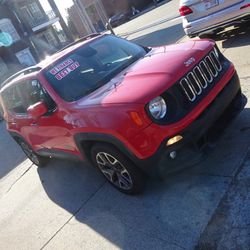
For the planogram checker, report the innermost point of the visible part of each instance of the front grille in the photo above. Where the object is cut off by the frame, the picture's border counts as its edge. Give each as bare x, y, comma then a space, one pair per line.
197, 80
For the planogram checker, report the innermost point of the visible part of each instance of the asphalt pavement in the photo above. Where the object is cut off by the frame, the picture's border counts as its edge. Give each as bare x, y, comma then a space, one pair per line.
69, 205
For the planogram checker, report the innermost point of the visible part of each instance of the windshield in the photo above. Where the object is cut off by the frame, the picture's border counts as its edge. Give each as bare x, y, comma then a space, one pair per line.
92, 66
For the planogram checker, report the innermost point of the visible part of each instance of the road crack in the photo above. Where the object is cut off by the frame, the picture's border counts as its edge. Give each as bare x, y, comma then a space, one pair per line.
73, 215
18, 179
245, 78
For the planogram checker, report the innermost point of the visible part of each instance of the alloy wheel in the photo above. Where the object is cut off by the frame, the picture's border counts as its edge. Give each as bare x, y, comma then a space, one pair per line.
114, 171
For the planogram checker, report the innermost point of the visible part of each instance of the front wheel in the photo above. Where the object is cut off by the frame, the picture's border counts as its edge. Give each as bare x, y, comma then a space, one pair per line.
35, 158
117, 169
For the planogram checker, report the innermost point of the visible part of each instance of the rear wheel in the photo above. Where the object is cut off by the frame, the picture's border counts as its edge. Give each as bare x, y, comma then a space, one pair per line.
117, 169
32, 155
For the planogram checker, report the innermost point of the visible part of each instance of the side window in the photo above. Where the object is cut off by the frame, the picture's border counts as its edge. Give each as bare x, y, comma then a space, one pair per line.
13, 101
33, 92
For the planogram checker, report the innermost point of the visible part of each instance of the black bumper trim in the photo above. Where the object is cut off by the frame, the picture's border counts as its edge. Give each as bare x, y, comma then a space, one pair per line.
197, 136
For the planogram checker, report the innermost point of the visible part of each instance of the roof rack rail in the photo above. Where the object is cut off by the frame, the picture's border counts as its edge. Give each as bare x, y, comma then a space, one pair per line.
80, 40
22, 72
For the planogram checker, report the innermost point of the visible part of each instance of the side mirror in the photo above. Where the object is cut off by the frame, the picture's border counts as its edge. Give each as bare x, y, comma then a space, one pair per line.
37, 110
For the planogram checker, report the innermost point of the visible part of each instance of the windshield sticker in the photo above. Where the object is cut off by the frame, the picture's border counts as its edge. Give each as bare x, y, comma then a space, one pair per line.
59, 76
61, 66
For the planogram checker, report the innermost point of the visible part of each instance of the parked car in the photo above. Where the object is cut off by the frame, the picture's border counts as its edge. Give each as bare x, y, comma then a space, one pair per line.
212, 16
120, 18
122, 106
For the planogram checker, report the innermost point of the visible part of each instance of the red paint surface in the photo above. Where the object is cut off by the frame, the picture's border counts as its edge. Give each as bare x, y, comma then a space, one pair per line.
107, 110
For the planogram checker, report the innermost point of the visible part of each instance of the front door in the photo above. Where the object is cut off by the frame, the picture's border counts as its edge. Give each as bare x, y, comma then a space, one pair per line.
48, 131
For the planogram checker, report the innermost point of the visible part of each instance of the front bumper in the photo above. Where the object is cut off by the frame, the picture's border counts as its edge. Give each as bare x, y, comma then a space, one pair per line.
222, 19
199, 135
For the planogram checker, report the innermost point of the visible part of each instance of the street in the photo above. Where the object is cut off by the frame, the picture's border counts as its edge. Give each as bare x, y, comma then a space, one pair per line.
69, 205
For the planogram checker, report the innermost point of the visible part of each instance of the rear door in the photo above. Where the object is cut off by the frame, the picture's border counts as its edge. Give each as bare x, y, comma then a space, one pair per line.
202, 8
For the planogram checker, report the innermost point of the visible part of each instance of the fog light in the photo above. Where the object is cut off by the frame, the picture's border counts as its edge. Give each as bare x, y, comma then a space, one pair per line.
174, 140
173, 155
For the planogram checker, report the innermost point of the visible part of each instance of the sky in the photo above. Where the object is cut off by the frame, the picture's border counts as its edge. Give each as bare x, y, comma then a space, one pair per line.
61, 4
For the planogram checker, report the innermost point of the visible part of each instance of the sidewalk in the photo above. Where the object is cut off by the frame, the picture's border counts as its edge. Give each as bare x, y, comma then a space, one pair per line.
69, 205
229, 227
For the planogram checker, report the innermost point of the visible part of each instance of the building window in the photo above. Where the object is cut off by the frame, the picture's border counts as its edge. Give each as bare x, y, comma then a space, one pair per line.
3, 68
35, 10
50, 37
25, 57
62, 38
7, 27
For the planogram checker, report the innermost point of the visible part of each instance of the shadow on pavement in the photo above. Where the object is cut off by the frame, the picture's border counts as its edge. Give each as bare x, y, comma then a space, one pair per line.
235, 37
68, 183
171, 214
161, 37
10, 153
153, 220
229, 227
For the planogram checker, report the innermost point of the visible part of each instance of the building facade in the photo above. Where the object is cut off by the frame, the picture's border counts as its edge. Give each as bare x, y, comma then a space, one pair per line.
15, 50
41, 27
90, 16
28, 34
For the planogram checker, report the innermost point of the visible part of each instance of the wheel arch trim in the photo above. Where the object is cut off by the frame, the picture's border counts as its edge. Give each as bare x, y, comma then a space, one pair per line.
85, 140
16, 136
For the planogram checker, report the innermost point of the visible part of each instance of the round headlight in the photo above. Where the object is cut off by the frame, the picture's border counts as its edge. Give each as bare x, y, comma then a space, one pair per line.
157, 108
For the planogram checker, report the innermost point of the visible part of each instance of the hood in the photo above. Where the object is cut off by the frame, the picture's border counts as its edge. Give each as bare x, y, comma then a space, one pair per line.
151, 75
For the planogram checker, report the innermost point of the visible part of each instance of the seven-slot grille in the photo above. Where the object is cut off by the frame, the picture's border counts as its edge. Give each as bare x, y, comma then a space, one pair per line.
201, 76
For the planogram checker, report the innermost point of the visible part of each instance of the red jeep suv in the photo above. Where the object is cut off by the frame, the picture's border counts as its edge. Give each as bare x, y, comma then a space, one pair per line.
121, 105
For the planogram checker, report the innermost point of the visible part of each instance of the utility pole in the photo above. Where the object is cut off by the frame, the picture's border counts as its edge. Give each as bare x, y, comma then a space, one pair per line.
62, 22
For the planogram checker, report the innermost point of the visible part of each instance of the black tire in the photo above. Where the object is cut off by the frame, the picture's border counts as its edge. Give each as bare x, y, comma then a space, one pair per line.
117, 169
36, 159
